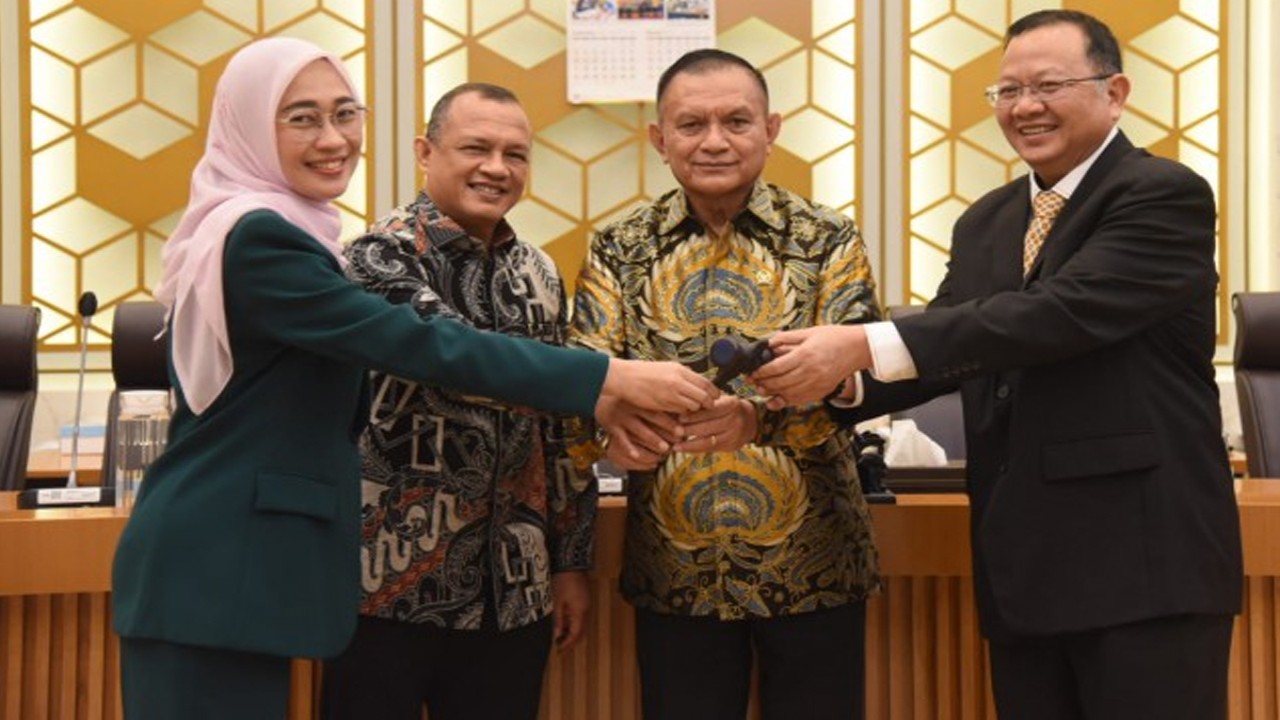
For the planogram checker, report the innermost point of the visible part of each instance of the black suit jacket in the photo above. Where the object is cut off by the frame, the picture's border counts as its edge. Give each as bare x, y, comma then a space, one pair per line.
1098, 477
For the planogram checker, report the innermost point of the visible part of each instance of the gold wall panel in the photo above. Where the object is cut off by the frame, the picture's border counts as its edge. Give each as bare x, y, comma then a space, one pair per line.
1172, 50
593, 163
115, 97
114, 94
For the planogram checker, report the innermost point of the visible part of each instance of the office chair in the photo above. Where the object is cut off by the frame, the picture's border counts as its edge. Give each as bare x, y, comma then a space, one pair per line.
139, 361
18, 384
1257, 367
941, 418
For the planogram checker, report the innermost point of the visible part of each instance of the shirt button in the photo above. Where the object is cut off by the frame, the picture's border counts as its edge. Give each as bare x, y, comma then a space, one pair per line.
1002, 392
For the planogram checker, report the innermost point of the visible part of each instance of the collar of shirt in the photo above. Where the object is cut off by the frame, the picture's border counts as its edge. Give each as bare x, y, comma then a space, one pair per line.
1071, 180
759, 203
438, 230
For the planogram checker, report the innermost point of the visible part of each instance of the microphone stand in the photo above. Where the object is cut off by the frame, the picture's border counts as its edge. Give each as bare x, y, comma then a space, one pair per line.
88, 306
73, 495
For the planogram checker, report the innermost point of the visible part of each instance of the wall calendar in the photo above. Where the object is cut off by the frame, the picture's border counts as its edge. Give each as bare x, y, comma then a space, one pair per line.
617, 49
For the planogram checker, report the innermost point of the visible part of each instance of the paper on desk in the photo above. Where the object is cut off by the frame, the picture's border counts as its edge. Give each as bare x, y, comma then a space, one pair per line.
909, 447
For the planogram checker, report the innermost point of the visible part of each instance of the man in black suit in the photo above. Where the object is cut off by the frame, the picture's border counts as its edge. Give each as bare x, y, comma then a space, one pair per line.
1105, 533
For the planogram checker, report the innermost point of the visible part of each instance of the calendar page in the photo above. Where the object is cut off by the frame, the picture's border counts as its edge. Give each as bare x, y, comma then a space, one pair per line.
617, 49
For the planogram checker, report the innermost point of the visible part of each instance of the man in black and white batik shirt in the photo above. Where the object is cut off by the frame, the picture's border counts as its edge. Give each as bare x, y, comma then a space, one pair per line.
477, 530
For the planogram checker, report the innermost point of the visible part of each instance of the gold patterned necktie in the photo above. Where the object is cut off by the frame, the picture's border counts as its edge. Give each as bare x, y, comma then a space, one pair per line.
1044, 208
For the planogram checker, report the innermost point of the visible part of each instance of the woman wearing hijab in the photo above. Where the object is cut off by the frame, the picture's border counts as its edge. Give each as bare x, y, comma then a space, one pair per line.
242, 549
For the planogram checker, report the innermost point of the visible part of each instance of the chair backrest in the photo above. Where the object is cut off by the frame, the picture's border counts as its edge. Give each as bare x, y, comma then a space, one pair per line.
139, 361
942, 418
1257, 365
18, 385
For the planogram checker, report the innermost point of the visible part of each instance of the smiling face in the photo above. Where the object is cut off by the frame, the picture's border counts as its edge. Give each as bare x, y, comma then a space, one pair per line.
1055, 136
715, 131
477, 168
318, 162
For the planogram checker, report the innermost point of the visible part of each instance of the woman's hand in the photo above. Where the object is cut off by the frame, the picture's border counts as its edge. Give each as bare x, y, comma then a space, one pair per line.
662, 386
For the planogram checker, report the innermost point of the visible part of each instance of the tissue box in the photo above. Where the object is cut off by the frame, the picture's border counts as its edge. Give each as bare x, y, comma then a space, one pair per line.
92, 439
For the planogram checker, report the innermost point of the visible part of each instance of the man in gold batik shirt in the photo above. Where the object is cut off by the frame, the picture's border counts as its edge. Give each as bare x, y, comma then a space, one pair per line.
748, 530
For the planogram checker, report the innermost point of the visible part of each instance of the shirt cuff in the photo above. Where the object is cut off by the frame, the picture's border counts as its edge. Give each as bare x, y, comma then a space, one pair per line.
850, 394
890, 359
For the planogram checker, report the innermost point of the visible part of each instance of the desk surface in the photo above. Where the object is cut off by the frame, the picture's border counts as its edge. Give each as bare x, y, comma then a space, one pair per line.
44, 464
70, 549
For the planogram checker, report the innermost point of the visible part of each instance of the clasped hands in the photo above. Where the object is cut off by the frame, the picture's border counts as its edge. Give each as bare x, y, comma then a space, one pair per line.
639, 439
810, 364
653, 408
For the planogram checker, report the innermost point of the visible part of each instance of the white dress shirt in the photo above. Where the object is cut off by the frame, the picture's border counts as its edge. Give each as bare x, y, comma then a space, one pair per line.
890, 359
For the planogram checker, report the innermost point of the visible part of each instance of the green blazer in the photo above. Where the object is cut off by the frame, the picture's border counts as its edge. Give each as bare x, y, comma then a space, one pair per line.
245, 535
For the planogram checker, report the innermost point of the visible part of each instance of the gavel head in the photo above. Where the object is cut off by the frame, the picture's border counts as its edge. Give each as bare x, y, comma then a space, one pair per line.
735, 357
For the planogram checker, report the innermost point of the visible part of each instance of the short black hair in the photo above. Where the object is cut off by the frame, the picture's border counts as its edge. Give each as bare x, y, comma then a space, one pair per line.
1102, 49
703, 60
440, 111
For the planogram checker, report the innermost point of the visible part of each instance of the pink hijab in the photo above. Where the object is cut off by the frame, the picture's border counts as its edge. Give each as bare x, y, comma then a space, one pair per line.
240, 172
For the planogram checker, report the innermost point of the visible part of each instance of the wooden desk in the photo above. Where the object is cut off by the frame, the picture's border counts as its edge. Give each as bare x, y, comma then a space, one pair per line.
947, 478
925, 659
1239, 463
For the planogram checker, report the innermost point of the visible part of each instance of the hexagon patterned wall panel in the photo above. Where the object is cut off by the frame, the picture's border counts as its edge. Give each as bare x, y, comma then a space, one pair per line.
118, 95
1173, 51
115, 96
593, 163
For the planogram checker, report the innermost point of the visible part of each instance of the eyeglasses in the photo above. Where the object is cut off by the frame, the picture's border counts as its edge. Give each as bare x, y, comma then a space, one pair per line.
1003, 96
308, 123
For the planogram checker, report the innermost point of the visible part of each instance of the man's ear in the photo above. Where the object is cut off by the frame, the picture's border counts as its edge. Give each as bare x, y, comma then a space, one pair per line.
421, 151
1118, 92
657, 140
773, 126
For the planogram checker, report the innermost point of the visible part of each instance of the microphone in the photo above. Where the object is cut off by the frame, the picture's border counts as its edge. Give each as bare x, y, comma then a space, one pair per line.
735, 356
73, 495
87, 306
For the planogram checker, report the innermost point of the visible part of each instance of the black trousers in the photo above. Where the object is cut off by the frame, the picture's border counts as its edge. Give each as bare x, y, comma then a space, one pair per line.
1171, 668
392, 669
162, 681
810, 665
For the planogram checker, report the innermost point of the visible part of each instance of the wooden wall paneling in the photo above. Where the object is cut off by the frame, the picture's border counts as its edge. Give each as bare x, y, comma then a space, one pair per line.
923, 649
898, 642
970, 694
92, 644
581, 673
63, 675
35, 655
947, 641
1270, 673
1261, 609
1237, 693
113, 703
606, 637
11, 632
626, 675
877, 676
